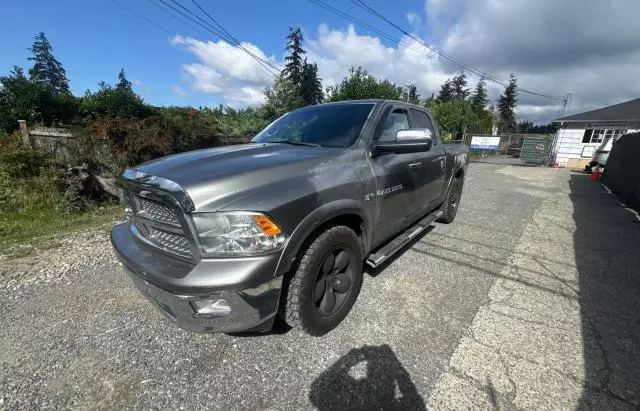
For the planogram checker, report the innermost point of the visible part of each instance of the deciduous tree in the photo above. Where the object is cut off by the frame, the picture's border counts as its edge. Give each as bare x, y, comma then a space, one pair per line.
359, 84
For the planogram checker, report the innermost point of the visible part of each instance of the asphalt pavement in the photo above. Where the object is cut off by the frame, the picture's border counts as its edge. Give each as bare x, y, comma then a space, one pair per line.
528, 300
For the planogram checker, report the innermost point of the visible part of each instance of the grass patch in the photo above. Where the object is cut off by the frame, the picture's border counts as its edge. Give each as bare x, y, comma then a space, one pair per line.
37, 227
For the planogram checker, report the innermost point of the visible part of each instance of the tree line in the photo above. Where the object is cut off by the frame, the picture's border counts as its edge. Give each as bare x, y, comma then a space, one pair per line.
116, 128
43, 97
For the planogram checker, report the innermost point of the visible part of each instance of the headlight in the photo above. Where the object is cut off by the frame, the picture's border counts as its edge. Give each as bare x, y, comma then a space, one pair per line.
236, 233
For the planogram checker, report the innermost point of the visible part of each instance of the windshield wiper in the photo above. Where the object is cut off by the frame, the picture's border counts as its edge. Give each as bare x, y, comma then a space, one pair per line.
295, 143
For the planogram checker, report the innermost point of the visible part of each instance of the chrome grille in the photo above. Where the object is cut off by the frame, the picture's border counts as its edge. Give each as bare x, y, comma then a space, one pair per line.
158, 223
156, 210
174, 242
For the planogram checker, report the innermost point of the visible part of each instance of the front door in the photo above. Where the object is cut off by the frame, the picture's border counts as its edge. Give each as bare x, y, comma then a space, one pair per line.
396, 177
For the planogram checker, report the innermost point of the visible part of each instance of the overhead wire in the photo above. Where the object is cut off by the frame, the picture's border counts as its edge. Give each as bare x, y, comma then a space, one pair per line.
158, 26
368, 26
458, 63
143, 17
232, 39
207, 26
434, 51
168, 12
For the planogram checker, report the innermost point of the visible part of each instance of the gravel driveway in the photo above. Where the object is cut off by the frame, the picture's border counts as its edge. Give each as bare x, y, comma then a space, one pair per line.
530, 299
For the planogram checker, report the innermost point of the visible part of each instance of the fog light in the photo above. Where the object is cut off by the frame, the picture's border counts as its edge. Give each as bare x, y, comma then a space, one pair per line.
218, 308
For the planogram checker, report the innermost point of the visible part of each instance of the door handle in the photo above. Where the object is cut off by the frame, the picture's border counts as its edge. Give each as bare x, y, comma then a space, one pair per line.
417, 164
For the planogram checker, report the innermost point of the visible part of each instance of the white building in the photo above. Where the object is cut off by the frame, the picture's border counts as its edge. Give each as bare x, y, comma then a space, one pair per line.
580, 134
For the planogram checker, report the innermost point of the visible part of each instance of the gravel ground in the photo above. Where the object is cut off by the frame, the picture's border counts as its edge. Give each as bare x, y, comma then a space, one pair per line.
506, 307
61, 256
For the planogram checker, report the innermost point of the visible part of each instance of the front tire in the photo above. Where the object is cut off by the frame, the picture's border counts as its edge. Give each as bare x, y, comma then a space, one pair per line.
451, 202
326, 282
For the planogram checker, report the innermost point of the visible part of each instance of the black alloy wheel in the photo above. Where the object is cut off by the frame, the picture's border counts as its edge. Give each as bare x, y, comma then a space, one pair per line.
325, 283
451, 202
333, 281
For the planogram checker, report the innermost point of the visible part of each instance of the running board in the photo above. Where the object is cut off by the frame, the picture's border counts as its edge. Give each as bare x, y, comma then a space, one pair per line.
383, 254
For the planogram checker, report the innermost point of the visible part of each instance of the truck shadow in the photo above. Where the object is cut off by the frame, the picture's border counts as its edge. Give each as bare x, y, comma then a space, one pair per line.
607, 255
367, 378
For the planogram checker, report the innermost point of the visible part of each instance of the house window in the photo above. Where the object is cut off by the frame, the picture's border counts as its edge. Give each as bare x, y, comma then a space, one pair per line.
598, 135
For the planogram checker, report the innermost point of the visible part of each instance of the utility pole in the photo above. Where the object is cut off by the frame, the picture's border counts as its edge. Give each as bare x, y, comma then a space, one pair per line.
565, 102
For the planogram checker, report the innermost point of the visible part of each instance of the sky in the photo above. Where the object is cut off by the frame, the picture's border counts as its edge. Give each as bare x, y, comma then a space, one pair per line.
588, 48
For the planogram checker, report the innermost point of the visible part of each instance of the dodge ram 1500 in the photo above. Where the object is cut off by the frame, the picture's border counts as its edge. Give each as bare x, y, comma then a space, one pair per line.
227, 239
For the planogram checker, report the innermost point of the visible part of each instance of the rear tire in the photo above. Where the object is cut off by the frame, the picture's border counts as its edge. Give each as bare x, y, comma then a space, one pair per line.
451, 202
326, 282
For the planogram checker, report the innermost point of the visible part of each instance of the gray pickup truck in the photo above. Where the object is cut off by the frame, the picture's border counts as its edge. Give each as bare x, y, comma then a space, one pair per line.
228, 239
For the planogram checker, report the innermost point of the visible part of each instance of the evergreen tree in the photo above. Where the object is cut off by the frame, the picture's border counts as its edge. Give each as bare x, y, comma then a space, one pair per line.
459, 87
311, 85
123, 83
294, 64
46, 68
479, 97
446, 92
506, 105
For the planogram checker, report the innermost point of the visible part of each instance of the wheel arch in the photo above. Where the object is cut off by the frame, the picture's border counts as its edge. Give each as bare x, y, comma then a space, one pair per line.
349, 213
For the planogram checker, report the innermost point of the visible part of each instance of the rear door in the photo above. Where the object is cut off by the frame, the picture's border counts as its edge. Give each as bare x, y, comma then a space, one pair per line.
433, 162
397, 177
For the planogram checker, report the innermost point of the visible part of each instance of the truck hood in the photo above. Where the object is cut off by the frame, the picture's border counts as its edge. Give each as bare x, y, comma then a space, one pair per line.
215, 177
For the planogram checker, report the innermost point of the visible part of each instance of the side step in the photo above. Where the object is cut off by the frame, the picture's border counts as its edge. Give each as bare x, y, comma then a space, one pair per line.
389, 249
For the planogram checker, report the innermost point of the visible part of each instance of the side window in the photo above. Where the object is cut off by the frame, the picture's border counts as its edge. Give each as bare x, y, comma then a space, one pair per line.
398, 119
421, 120
586, 138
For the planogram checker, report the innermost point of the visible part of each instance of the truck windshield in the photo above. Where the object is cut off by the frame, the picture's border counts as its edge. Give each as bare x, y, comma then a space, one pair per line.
331, 125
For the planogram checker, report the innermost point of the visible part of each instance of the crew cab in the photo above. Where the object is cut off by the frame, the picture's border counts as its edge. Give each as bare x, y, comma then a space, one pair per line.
227, 239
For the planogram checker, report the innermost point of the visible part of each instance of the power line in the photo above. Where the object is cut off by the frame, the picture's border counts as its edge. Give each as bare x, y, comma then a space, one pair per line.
227, 38
143, 17
448, 58
234, 40
164, 9
205, 25
368, 26
130, 10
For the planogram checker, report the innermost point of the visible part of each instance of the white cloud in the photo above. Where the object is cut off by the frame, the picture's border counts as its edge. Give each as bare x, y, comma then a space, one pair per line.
414, 20
179, 91
587, 48
226, 71
551, 46
336, 51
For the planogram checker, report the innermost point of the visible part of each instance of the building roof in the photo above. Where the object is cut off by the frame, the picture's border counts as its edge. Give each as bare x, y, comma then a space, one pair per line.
627, 111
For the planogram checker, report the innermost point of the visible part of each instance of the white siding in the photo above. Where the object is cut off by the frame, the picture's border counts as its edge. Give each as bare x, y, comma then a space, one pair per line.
569, 145
568, 142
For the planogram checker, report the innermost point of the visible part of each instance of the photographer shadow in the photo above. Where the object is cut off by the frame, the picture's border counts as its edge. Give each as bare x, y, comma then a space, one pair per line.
364, 379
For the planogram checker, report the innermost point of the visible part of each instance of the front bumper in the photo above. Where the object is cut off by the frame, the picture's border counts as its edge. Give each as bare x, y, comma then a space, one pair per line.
247, 285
